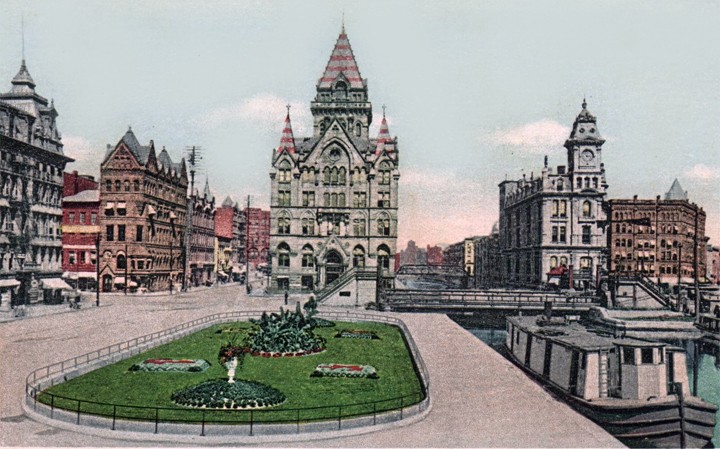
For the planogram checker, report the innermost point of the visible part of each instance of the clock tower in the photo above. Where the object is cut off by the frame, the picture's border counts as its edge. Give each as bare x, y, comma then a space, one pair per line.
584, 153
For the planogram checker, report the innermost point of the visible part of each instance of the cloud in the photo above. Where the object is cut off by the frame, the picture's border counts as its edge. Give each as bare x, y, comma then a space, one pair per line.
532, 138
87, 156
265, 112
702, 172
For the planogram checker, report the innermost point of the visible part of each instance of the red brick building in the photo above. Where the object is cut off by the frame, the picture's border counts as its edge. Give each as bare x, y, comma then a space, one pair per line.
434, 255
143, 199
257, 241
201, 254
658, 238
80, 226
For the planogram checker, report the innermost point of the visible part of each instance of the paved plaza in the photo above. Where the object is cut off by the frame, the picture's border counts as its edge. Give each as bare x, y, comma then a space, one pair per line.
479, 398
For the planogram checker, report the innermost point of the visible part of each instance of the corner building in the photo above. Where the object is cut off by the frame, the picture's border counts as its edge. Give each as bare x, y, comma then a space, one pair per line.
334, 195
549, 225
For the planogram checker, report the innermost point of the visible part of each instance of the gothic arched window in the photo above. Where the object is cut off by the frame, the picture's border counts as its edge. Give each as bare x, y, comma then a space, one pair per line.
308, 257
359, 257
283, 255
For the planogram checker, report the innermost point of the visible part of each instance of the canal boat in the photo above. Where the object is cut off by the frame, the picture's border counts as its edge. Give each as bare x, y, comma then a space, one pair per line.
636, 389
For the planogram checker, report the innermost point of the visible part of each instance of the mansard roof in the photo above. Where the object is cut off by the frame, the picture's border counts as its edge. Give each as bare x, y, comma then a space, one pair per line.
585, 128
342, 62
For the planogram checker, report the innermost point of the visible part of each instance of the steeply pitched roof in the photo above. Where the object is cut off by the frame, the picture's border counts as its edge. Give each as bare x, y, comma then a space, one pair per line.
383, 136
207, 193
287, 142
342, 61
676, 192
140, 152
228, 202
23, 78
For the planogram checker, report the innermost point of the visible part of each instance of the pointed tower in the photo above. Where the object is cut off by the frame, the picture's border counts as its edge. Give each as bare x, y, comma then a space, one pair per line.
676, 192
287, 141
206, 192
342, 93
23, 82
584, 152
383, 137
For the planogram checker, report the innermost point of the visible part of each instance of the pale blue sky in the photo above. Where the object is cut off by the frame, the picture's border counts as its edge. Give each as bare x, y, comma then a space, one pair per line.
475, 90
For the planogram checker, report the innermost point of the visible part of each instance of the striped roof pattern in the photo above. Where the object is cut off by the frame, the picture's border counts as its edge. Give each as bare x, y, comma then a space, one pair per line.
287, 142
342, 61
383, 137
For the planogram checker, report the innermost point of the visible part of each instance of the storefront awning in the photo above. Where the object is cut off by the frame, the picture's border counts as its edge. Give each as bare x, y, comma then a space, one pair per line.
79, 275
121, 281
9, 283
55, 284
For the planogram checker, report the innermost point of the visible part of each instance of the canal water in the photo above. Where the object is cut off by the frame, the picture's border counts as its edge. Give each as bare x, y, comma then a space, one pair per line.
703, 358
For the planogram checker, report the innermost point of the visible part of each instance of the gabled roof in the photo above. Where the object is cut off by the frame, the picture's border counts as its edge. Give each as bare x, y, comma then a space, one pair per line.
342, 62
140, 152
228, 202
676, 192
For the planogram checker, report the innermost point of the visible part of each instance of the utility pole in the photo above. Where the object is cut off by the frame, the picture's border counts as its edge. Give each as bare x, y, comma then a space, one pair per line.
695, 269
127, 262
97, 269
247, 259
194, 156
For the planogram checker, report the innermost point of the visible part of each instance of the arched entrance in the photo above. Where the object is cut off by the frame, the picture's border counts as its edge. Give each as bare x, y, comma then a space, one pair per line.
333, 266
107, 283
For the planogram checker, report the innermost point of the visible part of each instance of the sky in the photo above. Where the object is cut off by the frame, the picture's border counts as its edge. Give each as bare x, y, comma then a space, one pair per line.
476, 92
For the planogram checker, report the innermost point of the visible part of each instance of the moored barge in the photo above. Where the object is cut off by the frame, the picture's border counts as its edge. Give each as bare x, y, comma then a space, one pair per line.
636, 389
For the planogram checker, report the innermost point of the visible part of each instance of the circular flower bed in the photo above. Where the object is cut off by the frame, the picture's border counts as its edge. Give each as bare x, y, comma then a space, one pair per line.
220, 394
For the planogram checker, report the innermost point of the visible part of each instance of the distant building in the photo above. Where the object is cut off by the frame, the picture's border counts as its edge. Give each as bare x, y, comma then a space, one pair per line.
334, 197
454, 255
434, 255
143, 201
487, 260
230, 240
81, 227
201, 253
549, 225
663, 247
257, 240
712, 264
412, 255
31, 187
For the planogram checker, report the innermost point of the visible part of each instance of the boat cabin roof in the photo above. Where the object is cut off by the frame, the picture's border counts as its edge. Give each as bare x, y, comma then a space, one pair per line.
575, 335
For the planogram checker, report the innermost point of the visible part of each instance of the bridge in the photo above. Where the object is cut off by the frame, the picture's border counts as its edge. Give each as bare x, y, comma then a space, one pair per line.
477, 300
430, 277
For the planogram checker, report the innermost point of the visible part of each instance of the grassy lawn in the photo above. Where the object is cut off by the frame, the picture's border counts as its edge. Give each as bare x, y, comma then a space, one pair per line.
319, 397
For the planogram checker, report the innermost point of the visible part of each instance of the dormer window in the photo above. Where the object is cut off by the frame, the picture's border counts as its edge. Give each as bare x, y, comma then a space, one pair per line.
340, 91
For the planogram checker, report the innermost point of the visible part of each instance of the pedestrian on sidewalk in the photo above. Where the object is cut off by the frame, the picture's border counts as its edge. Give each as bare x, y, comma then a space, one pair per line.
286, 297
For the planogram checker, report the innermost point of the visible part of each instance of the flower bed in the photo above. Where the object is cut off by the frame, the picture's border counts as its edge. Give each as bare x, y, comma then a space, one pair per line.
286, 354
355, 333
338, 370
171, 365
219, 394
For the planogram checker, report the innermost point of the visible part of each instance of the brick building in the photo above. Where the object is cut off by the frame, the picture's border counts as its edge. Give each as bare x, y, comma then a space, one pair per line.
31, 185
434, 255
237, 256
664, 247
143, 201
712, 262
257, 240
201, 253
81, 227
487, 260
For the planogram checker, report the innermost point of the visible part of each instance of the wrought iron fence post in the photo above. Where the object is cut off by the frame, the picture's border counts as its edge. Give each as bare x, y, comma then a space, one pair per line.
339, 417
202, 430
251, 422
298, 420
114, 416
157, 412
78, 412
374, 413
401, 407
52, 406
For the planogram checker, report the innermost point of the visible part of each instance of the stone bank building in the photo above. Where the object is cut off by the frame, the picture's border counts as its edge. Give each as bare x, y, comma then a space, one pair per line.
550, 224
334, 195
31, 185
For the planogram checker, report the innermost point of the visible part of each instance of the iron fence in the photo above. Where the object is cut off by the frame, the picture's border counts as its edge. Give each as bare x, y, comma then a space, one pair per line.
80, 411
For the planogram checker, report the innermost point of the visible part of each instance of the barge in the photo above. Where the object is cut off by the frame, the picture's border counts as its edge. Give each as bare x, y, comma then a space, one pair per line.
636, 389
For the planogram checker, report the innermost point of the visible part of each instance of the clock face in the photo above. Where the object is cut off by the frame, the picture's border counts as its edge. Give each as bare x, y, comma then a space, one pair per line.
587, 156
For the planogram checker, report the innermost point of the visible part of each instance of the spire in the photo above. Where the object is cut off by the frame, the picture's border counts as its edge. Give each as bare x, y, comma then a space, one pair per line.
206, 193
342, 62
287, 141
23, 80
676, 192
228, 202
383, 135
